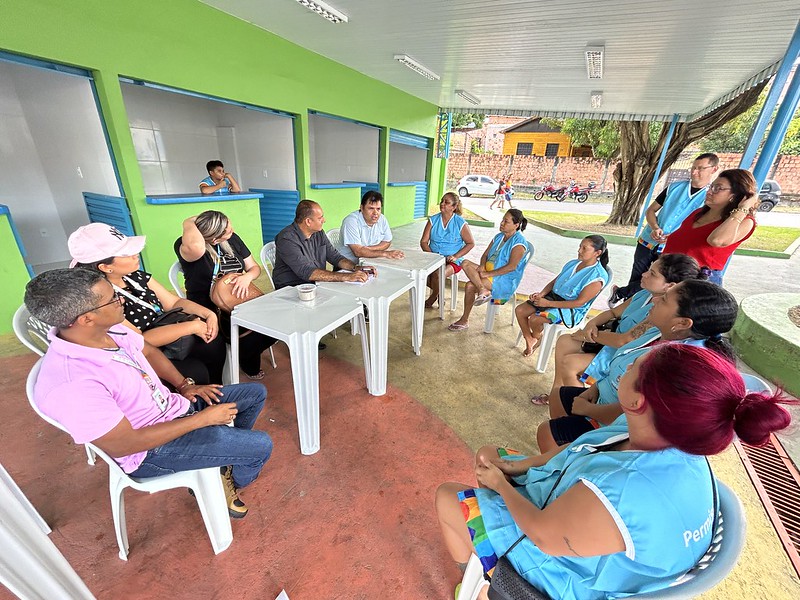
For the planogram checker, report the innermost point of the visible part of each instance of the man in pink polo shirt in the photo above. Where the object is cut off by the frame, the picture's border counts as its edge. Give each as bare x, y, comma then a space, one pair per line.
99, 380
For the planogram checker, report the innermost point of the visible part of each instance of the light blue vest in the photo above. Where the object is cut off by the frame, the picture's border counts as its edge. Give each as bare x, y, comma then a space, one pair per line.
570, 283
662, 502
637, 311
678, 205
608, 384
505, 285
447, 240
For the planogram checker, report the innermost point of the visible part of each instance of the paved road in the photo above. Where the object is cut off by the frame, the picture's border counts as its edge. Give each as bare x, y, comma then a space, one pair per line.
746, 276
592, 208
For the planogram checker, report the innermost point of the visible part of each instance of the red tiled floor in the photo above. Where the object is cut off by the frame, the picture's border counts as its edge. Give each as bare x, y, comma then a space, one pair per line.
355, 520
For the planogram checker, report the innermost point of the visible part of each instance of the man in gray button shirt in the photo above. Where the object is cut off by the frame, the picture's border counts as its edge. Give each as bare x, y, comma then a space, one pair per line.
302, 249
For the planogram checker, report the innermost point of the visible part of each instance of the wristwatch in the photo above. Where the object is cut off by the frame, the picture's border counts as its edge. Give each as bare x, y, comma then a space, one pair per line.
187, 381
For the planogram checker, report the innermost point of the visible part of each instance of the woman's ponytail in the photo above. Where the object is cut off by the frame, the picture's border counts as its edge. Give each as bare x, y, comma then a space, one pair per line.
758, 415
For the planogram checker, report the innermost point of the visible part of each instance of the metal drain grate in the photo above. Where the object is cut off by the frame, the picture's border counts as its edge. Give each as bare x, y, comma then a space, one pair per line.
777, 482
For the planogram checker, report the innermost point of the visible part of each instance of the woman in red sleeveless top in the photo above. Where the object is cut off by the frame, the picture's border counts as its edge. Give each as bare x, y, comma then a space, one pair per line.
712, 233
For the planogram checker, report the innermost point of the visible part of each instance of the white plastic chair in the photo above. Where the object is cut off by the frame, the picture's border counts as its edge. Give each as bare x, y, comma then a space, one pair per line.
205, 483
453, 291
553, 331
174, 279
492, 308
267, 255
32, 333
335, 236
711, 569
227, 373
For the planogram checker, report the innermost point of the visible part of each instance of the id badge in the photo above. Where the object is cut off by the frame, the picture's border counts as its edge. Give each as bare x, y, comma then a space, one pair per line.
160, 400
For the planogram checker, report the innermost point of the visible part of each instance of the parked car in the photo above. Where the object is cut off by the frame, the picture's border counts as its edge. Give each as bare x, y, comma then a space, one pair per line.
476, 184
769, 195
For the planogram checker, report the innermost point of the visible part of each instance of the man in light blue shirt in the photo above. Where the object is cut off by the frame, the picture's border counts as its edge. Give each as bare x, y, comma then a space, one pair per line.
365, 232
676, 202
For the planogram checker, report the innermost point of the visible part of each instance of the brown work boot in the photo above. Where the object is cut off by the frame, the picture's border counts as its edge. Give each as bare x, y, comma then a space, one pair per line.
236, 508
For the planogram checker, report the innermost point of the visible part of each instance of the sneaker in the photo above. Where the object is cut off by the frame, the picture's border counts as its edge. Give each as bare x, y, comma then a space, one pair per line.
236, 508
614, 299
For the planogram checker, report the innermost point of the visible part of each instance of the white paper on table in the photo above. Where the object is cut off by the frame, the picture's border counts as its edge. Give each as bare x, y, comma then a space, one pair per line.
282, 596
370, 277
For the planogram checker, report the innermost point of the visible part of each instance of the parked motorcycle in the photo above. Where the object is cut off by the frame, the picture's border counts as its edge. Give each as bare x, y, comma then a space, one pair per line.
551, 191
578, 193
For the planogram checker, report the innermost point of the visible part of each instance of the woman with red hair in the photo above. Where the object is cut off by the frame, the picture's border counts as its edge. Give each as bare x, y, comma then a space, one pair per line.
624, 509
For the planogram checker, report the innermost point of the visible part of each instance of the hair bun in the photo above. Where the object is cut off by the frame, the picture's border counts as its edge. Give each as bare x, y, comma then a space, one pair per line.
758, 415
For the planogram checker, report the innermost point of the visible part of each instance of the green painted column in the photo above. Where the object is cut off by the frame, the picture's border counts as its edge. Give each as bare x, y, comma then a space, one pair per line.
767, 340
302, 155
383, 159
13, 272
113, 113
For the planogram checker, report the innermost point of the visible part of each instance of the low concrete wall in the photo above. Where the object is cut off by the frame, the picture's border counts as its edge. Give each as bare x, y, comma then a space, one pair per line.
767, 340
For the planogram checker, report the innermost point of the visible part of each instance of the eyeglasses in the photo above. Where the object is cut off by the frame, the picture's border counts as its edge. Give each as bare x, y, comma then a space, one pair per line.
701, 168
717, 188
115, 299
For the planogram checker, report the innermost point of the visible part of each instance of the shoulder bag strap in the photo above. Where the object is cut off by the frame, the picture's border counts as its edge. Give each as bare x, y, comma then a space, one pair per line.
154, 307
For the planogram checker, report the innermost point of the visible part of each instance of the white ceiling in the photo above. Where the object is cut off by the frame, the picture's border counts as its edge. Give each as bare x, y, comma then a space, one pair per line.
525, 57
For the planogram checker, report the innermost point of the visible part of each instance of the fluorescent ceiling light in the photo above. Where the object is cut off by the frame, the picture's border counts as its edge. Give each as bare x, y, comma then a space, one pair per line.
468, 97
415, 66
594, 61
597, 99
326, 11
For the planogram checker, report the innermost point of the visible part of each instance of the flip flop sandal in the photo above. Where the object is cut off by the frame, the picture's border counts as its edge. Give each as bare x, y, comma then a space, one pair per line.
526, 353
457, 327
482, 299
541, 400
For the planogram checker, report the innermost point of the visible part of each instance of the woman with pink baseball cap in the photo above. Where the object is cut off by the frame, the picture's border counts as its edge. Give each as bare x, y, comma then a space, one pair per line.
105, 249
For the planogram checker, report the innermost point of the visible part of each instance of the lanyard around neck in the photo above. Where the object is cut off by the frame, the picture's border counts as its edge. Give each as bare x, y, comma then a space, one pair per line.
121, 356
154, 307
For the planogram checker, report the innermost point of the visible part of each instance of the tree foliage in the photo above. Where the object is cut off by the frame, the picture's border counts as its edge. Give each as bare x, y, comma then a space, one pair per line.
602, 136
732, 137
639, 155
465, 120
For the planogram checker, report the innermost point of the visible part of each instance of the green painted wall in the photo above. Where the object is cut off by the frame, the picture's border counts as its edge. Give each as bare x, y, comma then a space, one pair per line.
167, 42
398, 204
336, 203
13, 274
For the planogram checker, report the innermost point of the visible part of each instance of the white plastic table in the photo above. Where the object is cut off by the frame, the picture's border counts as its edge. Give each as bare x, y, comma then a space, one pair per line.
301, 325
378, 294
418, 265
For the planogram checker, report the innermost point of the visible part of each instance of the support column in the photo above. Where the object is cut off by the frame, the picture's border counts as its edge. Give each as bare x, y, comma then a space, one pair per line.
778, 83
778, 131
657, 175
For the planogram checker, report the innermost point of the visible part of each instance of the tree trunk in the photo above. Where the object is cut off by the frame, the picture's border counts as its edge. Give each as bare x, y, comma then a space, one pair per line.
638, 157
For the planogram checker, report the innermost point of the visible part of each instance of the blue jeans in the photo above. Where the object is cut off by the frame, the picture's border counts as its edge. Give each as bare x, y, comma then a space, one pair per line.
716, 276
218, 445
643, 257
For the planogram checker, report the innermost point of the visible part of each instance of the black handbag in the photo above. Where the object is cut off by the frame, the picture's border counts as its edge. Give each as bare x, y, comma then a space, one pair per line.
562, 312
594, 347
180, 348
507, 584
